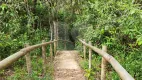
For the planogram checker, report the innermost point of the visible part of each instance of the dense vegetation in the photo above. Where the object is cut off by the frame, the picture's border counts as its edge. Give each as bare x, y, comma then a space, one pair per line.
115, 23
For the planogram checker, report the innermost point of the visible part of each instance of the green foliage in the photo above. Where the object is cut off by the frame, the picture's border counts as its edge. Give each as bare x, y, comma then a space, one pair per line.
84, 64
117, 24
89, 74
20, 72
139, 40
17, 25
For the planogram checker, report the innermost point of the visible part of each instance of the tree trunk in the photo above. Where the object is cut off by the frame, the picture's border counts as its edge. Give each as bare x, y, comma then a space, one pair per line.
51, 31
34, 12
55, 30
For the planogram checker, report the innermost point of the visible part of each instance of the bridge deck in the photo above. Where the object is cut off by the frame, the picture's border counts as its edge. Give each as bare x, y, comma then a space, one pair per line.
66, 66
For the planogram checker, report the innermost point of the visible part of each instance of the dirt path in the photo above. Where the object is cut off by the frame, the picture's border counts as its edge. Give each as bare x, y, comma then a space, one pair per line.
66, 66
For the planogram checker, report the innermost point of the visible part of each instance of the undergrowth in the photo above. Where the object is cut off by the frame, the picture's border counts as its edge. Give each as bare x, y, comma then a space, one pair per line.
19, 72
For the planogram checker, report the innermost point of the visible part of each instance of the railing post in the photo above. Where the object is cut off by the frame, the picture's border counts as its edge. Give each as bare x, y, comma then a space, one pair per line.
65, 46
51, 52
28, 61
55, 47
103, 65
44, 58
90, 55
84, 50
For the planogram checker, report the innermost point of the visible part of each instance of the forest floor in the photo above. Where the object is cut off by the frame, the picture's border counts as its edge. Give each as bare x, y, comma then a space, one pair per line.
66, 66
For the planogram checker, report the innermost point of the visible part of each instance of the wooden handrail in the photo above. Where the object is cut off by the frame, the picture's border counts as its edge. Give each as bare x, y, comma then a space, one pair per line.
11, 59
124, 75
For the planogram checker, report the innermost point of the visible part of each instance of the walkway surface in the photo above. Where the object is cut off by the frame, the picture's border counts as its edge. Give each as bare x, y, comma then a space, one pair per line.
66, 66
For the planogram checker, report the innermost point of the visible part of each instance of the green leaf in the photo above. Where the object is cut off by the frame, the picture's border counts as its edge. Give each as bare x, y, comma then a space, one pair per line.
3, 6
1, 44
139, 40
132, 11
12, 14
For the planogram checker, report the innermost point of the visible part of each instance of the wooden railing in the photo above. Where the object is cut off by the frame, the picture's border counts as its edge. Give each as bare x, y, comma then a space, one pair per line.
26, 51
124, 75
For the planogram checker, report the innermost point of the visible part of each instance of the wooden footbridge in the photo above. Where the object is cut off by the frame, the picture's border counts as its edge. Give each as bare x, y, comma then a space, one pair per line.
65, 62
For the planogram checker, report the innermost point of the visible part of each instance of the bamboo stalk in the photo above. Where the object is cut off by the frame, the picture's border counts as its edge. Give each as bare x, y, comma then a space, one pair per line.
115, 64
28, 61
84, 50
44, 58
90, 55
103, 65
